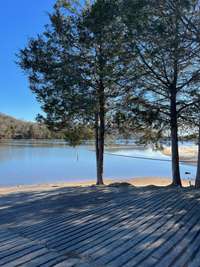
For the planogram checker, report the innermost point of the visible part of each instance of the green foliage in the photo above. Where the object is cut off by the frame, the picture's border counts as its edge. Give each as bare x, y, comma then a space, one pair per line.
72, 6
51, 62
130, 65
167, 60
74, 56
76, 135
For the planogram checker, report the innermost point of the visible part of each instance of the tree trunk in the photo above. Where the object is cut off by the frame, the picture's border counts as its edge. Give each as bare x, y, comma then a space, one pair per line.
97, 144
100, 161
176, 180
101, 134
197, 181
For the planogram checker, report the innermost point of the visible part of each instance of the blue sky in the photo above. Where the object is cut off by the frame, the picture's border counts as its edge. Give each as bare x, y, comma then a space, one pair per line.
19, 20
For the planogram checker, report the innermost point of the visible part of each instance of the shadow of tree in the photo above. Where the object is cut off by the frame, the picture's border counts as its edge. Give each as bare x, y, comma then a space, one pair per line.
110, 226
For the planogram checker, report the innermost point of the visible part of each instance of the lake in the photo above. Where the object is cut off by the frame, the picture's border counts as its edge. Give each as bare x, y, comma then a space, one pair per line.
25, 162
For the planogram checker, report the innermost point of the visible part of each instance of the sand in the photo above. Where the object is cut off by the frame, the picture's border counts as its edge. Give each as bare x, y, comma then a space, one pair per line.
186, 154
139, 182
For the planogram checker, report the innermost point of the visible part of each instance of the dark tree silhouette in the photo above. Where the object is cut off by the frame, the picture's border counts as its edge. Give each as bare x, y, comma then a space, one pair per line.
167, 59
75, 68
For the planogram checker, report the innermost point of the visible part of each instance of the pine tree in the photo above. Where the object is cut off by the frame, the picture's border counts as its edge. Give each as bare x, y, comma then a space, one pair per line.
192, 22
167, 60
75, 69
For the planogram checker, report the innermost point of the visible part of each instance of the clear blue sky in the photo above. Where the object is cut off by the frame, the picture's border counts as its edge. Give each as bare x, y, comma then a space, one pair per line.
19, 20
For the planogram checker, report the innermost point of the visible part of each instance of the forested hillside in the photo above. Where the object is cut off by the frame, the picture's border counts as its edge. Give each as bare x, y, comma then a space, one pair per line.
11, 128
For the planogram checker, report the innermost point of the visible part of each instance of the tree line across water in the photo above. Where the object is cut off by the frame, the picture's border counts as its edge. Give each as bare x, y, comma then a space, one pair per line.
11, 128
130, 65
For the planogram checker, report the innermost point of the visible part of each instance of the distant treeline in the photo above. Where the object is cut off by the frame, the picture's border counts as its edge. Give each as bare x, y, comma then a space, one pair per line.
11, 128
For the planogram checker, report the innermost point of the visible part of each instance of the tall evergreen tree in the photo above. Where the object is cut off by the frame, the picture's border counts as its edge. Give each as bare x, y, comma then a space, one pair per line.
192, 22
74, 68
192, 121
167, 59
102, 46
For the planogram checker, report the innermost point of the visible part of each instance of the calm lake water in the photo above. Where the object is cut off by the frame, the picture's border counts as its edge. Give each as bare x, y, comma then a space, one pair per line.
27, 163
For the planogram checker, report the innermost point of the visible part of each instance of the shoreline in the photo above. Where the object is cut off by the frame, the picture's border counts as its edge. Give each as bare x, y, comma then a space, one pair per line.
137, 182
187, 155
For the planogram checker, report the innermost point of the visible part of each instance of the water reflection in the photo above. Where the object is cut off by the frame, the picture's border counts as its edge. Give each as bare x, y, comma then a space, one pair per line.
28, 163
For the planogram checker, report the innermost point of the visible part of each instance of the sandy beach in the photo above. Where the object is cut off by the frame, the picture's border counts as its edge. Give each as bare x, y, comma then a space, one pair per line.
138, 182
186, 154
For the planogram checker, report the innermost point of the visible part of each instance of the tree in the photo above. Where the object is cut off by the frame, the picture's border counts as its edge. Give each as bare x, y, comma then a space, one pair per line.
74, 69
167, 59
52, 63
192, 22
103, 45
197, 180
192, 114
